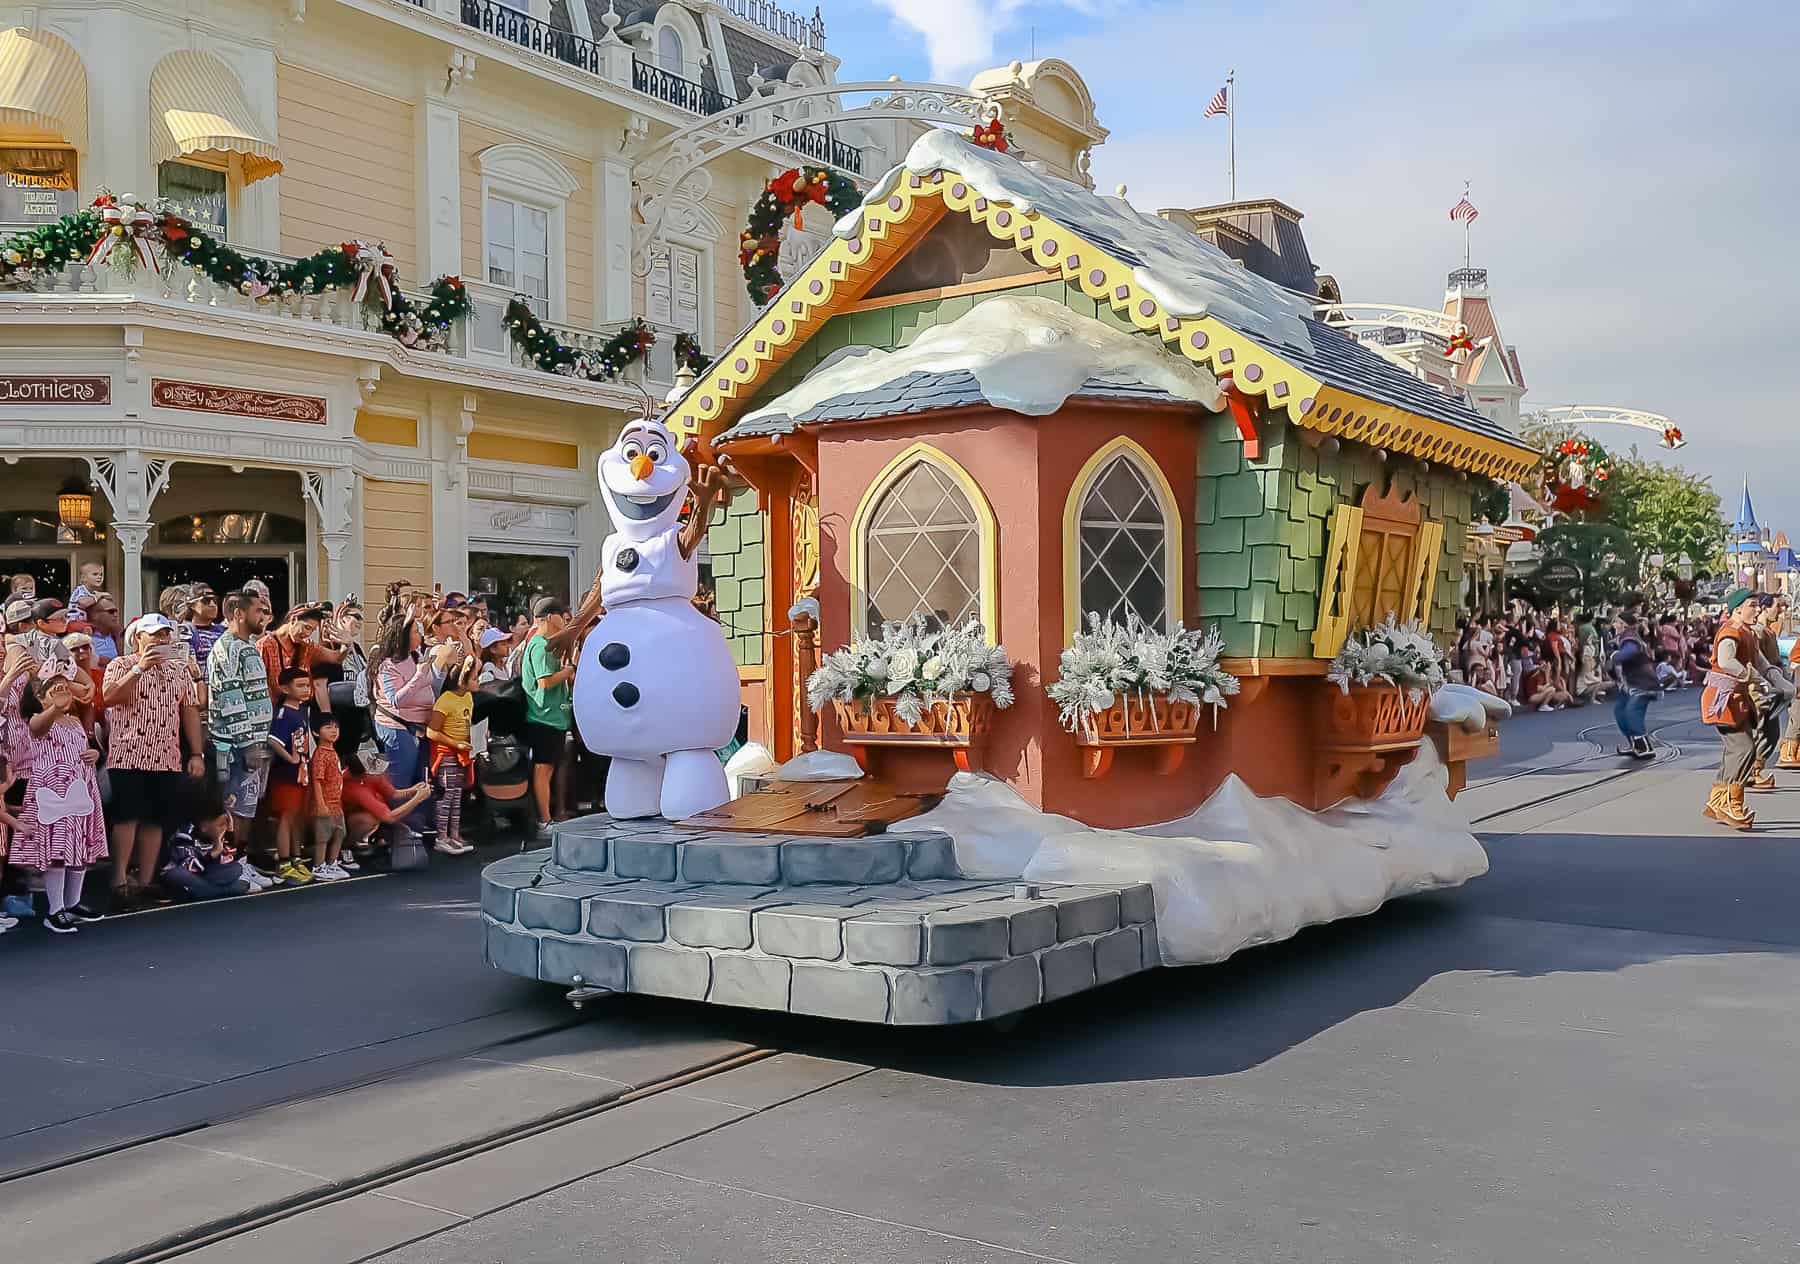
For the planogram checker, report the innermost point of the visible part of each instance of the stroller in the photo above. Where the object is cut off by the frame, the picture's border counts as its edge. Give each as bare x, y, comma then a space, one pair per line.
503, 771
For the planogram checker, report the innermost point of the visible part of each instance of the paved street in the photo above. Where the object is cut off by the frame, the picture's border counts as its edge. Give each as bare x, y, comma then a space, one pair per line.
1585, 1055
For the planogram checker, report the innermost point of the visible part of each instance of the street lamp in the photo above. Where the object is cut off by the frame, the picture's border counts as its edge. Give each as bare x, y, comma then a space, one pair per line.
1684, 566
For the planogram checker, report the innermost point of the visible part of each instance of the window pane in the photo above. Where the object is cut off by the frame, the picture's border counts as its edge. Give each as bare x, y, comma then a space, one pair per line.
924, 551
534, 230
500, 222
197, 193
1123, 542
669, 51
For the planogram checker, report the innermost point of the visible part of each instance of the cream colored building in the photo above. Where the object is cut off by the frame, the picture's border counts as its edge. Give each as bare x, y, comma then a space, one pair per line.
490, 139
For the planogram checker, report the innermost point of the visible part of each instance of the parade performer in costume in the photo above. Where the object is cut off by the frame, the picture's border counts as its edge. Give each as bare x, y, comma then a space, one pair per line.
655, 688
1729, 704
1773, 717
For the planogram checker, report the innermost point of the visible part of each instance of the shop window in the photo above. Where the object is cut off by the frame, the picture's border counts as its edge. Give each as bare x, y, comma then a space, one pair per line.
1126, 567
513, 581
232, 526
197, 192
926, 546
518, 250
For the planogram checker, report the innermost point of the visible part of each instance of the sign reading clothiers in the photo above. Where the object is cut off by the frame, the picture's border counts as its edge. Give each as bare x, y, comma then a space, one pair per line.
16, 388
198, 397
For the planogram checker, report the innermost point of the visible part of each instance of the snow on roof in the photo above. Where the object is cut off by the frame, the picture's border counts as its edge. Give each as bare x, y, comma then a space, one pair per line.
1024, 353
1188, 275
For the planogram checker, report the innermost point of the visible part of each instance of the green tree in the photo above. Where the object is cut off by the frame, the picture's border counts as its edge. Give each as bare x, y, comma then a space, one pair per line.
1603, 555
1665, 509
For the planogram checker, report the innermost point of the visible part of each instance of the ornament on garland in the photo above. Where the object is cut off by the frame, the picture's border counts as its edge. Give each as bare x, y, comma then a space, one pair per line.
688, 354
123, 221
546, 351
783, 198
93, 237
1578, 473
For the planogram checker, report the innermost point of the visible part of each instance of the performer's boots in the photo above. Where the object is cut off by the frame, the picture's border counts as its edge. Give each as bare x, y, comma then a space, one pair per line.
1641, 748
1790, 755
1725, 804
1760, 780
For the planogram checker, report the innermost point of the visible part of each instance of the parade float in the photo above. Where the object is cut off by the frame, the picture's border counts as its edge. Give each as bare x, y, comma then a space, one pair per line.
1104, 592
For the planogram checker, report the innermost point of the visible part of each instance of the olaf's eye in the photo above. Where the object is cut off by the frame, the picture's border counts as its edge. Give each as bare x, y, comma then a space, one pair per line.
630, 451
656, 452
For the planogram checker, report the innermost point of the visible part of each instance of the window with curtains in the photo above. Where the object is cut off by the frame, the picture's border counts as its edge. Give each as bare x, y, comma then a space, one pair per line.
1124, 546
519, 250
922, 544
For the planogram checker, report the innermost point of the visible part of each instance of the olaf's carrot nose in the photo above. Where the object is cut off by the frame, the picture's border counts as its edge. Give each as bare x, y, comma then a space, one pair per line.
641, 465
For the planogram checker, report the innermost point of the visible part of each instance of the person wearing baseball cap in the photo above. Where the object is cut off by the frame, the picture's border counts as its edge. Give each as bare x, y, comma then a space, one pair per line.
152, 709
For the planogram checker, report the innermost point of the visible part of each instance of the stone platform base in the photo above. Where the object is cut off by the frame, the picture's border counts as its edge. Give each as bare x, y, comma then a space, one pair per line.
875, 930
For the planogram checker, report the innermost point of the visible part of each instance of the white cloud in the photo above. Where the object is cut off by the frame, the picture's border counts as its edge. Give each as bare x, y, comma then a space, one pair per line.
959, 34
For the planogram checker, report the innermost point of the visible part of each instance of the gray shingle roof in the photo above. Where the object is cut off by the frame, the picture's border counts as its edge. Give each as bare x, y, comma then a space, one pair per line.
921, 392
1339, 360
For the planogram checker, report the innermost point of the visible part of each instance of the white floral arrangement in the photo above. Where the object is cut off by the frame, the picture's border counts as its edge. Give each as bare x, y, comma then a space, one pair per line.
1398, 654
1112, 659
914, 666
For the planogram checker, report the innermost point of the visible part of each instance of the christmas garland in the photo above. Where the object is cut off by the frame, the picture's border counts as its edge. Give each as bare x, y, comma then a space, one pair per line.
123, 232
551, 354
784, 198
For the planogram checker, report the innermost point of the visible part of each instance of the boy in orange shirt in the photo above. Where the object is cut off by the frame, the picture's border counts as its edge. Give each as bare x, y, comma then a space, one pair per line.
329, 862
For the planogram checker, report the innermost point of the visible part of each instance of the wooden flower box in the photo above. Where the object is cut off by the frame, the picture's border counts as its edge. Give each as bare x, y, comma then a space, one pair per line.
1139, 720
1365, 737
959, 724
1456, 746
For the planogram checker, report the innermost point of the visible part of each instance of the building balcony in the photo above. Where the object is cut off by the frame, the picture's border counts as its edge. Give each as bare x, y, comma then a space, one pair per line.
182, 300
502, 21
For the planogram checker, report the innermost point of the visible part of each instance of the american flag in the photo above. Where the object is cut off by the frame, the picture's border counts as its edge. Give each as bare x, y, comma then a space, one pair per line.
1218, 105
1464, 212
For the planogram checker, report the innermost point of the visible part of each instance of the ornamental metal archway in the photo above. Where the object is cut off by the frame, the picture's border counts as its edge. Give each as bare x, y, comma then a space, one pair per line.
675, 167
1668, 433
1387, 316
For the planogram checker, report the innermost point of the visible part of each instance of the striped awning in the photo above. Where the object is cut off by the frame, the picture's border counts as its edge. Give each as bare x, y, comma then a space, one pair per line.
197, 106
43, 89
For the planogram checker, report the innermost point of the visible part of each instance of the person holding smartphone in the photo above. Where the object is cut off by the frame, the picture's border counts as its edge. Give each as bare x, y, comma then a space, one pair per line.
152, 710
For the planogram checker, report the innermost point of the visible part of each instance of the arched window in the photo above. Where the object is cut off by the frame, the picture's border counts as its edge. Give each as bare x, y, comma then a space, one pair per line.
1121, 542
924, 541
669, 52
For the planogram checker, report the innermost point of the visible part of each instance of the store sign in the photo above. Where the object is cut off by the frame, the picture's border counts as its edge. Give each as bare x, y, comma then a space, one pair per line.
198, 397
36, 185
18, 388
1559, 576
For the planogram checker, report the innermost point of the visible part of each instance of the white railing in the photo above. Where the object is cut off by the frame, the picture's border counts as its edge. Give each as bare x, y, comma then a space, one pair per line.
483, 338
783, 23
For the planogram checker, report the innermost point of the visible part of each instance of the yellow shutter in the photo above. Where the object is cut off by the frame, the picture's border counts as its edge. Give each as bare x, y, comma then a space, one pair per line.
1425, 569
1337, 582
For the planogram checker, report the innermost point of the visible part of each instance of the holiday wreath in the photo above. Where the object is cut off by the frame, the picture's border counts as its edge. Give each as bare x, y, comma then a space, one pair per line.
784, 198
1577, 475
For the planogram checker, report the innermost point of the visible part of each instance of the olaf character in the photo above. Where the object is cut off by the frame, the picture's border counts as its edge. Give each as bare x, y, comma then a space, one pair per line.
655, 687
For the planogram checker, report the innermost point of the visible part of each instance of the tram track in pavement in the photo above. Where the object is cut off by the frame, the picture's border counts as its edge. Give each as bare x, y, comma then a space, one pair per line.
242, 1225
1667, 750
237, 1224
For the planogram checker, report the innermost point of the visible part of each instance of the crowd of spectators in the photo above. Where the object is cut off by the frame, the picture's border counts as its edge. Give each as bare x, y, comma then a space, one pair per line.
208, 749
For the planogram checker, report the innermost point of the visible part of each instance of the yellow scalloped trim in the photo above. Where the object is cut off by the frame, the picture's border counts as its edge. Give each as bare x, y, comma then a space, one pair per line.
840, 274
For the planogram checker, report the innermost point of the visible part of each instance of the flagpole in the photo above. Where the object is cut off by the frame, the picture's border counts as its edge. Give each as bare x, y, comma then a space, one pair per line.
1231, 119
1468, 229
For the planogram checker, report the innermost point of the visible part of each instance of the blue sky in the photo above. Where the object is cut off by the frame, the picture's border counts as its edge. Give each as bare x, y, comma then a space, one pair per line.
1635, 165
